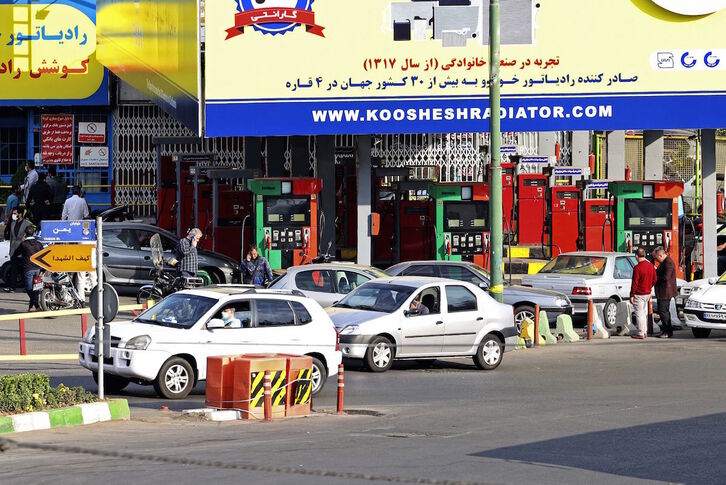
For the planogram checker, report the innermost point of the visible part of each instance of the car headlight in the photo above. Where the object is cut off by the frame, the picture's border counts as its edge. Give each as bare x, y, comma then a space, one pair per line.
138, 343
562, 302
693, 304
351, 330
90, 333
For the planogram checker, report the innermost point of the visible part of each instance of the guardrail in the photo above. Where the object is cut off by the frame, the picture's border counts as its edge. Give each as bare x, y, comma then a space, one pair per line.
83, 312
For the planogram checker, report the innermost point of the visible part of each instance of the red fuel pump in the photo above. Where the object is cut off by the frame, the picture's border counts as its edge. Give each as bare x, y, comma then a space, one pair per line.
565, 226
598, 224
509, 185
531, 207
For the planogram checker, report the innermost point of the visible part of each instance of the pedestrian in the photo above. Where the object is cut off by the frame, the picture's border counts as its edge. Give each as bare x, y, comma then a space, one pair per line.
186, 253
15, 234
39, 199
12, 202
665, 289
255, 268
31, 271
31, 177
75, 208
60, 191
644, 278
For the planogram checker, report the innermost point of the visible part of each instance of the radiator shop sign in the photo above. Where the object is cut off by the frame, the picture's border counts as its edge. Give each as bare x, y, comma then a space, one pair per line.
56, 139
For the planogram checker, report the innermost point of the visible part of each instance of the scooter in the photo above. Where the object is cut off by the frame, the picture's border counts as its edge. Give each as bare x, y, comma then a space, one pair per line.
165, 283
59, 293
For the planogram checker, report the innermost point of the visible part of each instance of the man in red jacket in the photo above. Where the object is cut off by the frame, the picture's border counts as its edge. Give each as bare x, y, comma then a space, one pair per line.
644, 278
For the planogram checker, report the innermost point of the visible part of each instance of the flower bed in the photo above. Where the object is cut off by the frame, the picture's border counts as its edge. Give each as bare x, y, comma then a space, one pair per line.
23, 393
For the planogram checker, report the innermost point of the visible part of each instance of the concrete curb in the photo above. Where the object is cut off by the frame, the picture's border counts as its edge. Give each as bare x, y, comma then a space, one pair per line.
38, 358
115, 410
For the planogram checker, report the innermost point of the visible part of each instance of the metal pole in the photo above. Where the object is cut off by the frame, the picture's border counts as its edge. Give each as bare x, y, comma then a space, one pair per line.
178, 196
99, 322
196, 196
495, 138
215, 211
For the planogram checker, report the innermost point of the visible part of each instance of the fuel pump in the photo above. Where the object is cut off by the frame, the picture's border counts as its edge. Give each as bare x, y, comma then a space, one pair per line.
597, 219
462, 222
286, 219
231, 205
509, 184
565, 219
531, 207
646, 215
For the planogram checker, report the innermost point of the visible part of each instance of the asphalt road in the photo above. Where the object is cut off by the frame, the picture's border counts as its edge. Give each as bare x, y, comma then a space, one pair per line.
617, 411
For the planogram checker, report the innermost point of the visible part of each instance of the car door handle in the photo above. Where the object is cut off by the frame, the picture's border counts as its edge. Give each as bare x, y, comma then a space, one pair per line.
440, 322
146, 258
620, 287
105, 255
480, 319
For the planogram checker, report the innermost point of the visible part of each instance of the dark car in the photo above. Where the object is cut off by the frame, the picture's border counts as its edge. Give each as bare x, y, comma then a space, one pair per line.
127, 255
521, 298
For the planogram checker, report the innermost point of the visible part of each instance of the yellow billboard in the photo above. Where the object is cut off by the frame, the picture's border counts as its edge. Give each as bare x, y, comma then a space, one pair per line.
47, 55
370, 66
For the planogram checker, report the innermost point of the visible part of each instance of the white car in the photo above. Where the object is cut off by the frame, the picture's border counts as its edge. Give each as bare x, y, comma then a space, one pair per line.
168, 344
326, 283
380, 321
691, 287
706, 309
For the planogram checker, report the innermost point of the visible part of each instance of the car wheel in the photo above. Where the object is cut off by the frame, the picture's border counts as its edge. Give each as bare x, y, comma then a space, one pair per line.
701, 332
112, 384
318, 376
521, 313
610, 313
379, 356
489, 354
175, 379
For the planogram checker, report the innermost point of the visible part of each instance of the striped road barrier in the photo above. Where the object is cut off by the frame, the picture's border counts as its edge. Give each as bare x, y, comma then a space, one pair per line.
82, 312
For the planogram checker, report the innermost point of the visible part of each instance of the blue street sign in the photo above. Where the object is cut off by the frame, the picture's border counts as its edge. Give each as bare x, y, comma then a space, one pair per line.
68, 231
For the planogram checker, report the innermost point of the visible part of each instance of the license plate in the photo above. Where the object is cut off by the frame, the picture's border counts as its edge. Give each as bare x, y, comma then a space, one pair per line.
680, 301
715, 316
37, 286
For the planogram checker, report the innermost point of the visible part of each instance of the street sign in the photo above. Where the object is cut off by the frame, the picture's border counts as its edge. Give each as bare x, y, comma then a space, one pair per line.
91, 132
66, 258
110, 304
68, 231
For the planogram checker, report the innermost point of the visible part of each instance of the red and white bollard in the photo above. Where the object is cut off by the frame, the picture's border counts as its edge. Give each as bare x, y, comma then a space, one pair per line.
341, 389
268, 396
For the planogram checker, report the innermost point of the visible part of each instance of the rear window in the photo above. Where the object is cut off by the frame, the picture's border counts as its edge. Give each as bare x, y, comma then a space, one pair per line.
302, 314
577, 265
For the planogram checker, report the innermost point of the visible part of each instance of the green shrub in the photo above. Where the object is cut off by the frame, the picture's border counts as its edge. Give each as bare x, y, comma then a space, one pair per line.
32, 392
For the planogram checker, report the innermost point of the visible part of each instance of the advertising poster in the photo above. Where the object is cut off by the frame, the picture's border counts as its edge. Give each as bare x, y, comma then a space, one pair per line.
154, 46
289, 67
56, 139
48, 54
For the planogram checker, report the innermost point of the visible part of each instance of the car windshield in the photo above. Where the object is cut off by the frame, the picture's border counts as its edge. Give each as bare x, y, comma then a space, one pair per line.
576, 265
377, 297
721, 280
178, 310
480, 272
375, 272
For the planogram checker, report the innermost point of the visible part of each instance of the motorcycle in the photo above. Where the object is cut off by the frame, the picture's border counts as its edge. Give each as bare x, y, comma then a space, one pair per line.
164, 283
59, 293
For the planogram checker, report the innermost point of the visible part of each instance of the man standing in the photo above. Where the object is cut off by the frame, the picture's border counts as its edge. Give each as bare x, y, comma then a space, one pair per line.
12, 202
665, 289
30, 270
255, 268
59, 189
644, 278
15, 234
75, 208
31, 178
186, 252
39, 199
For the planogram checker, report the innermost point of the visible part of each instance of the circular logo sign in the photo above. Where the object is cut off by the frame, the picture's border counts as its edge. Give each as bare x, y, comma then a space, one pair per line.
273, 8
692, 7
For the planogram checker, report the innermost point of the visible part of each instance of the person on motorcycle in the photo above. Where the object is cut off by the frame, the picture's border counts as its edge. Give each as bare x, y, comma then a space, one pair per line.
255, 268
186, 253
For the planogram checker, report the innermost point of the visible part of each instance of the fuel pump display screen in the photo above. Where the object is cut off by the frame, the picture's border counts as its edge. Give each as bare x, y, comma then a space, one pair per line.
648, 214
464, 216
288, 211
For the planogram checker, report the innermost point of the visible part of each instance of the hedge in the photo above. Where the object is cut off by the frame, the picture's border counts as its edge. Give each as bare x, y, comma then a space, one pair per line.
23, 393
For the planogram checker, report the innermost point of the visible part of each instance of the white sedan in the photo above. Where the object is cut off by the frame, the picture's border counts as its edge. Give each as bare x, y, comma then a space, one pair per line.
706, 309
168, 344
419, 317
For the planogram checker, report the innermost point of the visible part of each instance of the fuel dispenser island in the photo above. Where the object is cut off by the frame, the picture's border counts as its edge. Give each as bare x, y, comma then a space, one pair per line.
564, 227
646, 215
286, 219
531, 207
462, 222
509, 185
597, 218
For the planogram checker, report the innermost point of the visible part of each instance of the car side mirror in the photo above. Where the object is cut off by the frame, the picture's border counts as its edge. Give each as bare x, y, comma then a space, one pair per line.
483, 286
215, 323
713, 280
406, 313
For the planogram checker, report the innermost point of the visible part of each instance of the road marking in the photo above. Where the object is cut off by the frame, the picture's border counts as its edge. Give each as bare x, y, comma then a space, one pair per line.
37, 358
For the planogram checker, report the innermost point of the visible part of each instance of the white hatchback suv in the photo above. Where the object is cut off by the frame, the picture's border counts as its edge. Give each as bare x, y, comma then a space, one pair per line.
168, 344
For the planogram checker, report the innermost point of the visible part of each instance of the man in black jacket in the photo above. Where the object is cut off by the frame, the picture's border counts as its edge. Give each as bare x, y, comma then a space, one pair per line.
28, 248
40, 198
665, 289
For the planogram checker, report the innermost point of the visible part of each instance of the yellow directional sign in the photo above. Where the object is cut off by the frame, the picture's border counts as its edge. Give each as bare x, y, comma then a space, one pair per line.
66, 258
